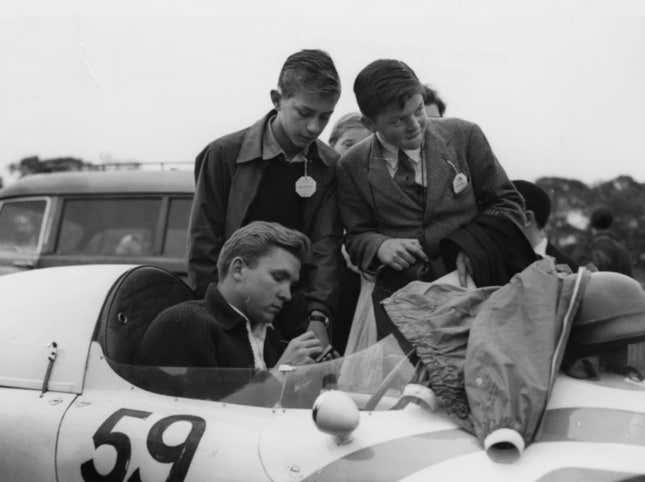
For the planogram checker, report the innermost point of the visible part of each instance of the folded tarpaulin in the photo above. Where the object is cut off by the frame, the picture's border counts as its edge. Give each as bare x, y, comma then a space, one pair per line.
492, 353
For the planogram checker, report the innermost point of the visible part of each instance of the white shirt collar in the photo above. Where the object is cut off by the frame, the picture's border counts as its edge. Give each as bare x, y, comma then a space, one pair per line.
540, 248
257, 334
392, 151
271, 147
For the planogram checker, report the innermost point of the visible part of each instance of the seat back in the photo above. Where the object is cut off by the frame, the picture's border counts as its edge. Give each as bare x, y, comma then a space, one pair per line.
135, 300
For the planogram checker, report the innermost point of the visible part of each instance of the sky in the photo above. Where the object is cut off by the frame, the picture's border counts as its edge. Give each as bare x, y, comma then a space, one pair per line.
557, 86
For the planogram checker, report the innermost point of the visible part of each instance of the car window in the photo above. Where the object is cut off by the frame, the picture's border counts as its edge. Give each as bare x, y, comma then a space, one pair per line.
177, 227
21, 225
109, 227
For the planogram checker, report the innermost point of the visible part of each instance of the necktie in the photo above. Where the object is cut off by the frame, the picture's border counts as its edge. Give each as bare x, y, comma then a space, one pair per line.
405, 171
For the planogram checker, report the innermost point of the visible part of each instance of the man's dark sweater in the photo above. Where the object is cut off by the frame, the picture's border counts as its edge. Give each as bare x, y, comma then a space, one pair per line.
204, 333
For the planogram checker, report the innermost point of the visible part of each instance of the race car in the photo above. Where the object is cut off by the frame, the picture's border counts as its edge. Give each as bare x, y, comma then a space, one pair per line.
75, 405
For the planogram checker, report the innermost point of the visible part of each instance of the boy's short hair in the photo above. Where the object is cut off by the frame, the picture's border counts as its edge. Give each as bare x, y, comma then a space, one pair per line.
311, 70
535, 199
256, 239
385, 82
431, 96
346, 122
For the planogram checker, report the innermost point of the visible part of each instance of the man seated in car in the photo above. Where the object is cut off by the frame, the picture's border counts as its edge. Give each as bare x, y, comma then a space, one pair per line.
232, 326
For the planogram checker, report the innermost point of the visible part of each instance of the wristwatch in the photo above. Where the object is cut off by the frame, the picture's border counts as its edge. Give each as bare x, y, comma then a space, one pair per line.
319, 317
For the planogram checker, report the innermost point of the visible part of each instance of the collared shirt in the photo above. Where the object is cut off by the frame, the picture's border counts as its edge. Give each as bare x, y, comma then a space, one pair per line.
540, 248
271, 148
257, 334
391, 156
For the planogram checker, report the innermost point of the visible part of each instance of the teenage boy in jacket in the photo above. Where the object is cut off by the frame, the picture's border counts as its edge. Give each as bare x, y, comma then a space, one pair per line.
277, 170
407, 189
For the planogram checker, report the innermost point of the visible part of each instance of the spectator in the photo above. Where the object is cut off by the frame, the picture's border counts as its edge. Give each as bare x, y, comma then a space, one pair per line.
421, 198
347, 131
605, 250
24, 234
537, 211
435, 107
278, 171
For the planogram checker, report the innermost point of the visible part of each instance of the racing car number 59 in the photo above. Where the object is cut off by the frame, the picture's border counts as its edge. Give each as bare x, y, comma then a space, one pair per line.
179, 455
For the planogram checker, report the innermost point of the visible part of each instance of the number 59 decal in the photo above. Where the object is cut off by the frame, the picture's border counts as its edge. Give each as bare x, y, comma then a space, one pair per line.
179, 455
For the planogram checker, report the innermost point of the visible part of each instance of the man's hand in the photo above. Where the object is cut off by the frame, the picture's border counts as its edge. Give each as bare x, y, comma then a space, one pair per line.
400, 253
319, 329
301, 350
464, 269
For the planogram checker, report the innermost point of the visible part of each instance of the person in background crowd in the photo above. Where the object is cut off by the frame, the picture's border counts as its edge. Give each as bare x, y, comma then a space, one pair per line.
277, 170
232, 326
435, 107
421, 198
606, 252
347, 131
537, 211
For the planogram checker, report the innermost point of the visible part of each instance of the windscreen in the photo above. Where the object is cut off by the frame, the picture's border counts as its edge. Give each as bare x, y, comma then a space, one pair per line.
374, 378
20, 225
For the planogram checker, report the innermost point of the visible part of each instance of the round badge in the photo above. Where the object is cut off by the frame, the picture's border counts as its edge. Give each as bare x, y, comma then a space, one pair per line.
459, 183
305, 186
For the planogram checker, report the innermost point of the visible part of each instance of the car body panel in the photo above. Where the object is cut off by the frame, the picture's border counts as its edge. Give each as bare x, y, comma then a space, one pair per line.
225, 450
29, 426
57, 305
104, 182
545, 462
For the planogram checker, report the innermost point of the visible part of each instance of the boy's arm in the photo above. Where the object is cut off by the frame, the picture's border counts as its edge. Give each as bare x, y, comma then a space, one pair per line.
323, 272
362, 238
207, 218
494, 192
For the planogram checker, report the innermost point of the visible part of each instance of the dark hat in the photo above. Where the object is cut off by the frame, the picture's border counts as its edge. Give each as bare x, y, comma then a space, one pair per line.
536, 199
601, 218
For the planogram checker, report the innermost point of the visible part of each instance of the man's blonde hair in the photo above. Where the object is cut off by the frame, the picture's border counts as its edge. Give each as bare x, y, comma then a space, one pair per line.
256, 239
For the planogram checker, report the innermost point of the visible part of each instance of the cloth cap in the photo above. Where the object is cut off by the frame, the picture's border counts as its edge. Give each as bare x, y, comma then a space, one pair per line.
535, 199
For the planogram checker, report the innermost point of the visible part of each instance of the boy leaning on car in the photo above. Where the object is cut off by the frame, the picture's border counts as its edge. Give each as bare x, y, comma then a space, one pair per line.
277, 170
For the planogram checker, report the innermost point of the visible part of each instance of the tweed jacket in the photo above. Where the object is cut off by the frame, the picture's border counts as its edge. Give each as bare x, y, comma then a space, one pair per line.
373, 207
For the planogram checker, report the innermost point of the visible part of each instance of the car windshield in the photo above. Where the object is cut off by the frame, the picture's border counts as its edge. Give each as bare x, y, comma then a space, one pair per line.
374, 378
20, 225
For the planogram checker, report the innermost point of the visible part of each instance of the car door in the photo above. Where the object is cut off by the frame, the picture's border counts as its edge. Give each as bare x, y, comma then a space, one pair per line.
48, 318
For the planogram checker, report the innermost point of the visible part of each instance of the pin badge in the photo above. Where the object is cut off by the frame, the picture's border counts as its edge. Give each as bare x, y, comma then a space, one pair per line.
305, 186
459, 183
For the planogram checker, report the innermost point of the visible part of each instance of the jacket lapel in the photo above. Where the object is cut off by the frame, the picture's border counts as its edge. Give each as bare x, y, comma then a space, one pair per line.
249, 167
440, 173
244, 187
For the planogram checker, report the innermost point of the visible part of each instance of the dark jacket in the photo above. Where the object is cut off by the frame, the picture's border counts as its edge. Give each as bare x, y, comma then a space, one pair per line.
373, 208
204, 333
496, 247
228, 172
609, 254
560, 257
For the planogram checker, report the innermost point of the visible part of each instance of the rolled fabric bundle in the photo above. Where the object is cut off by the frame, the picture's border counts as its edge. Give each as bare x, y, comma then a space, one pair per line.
504, 445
